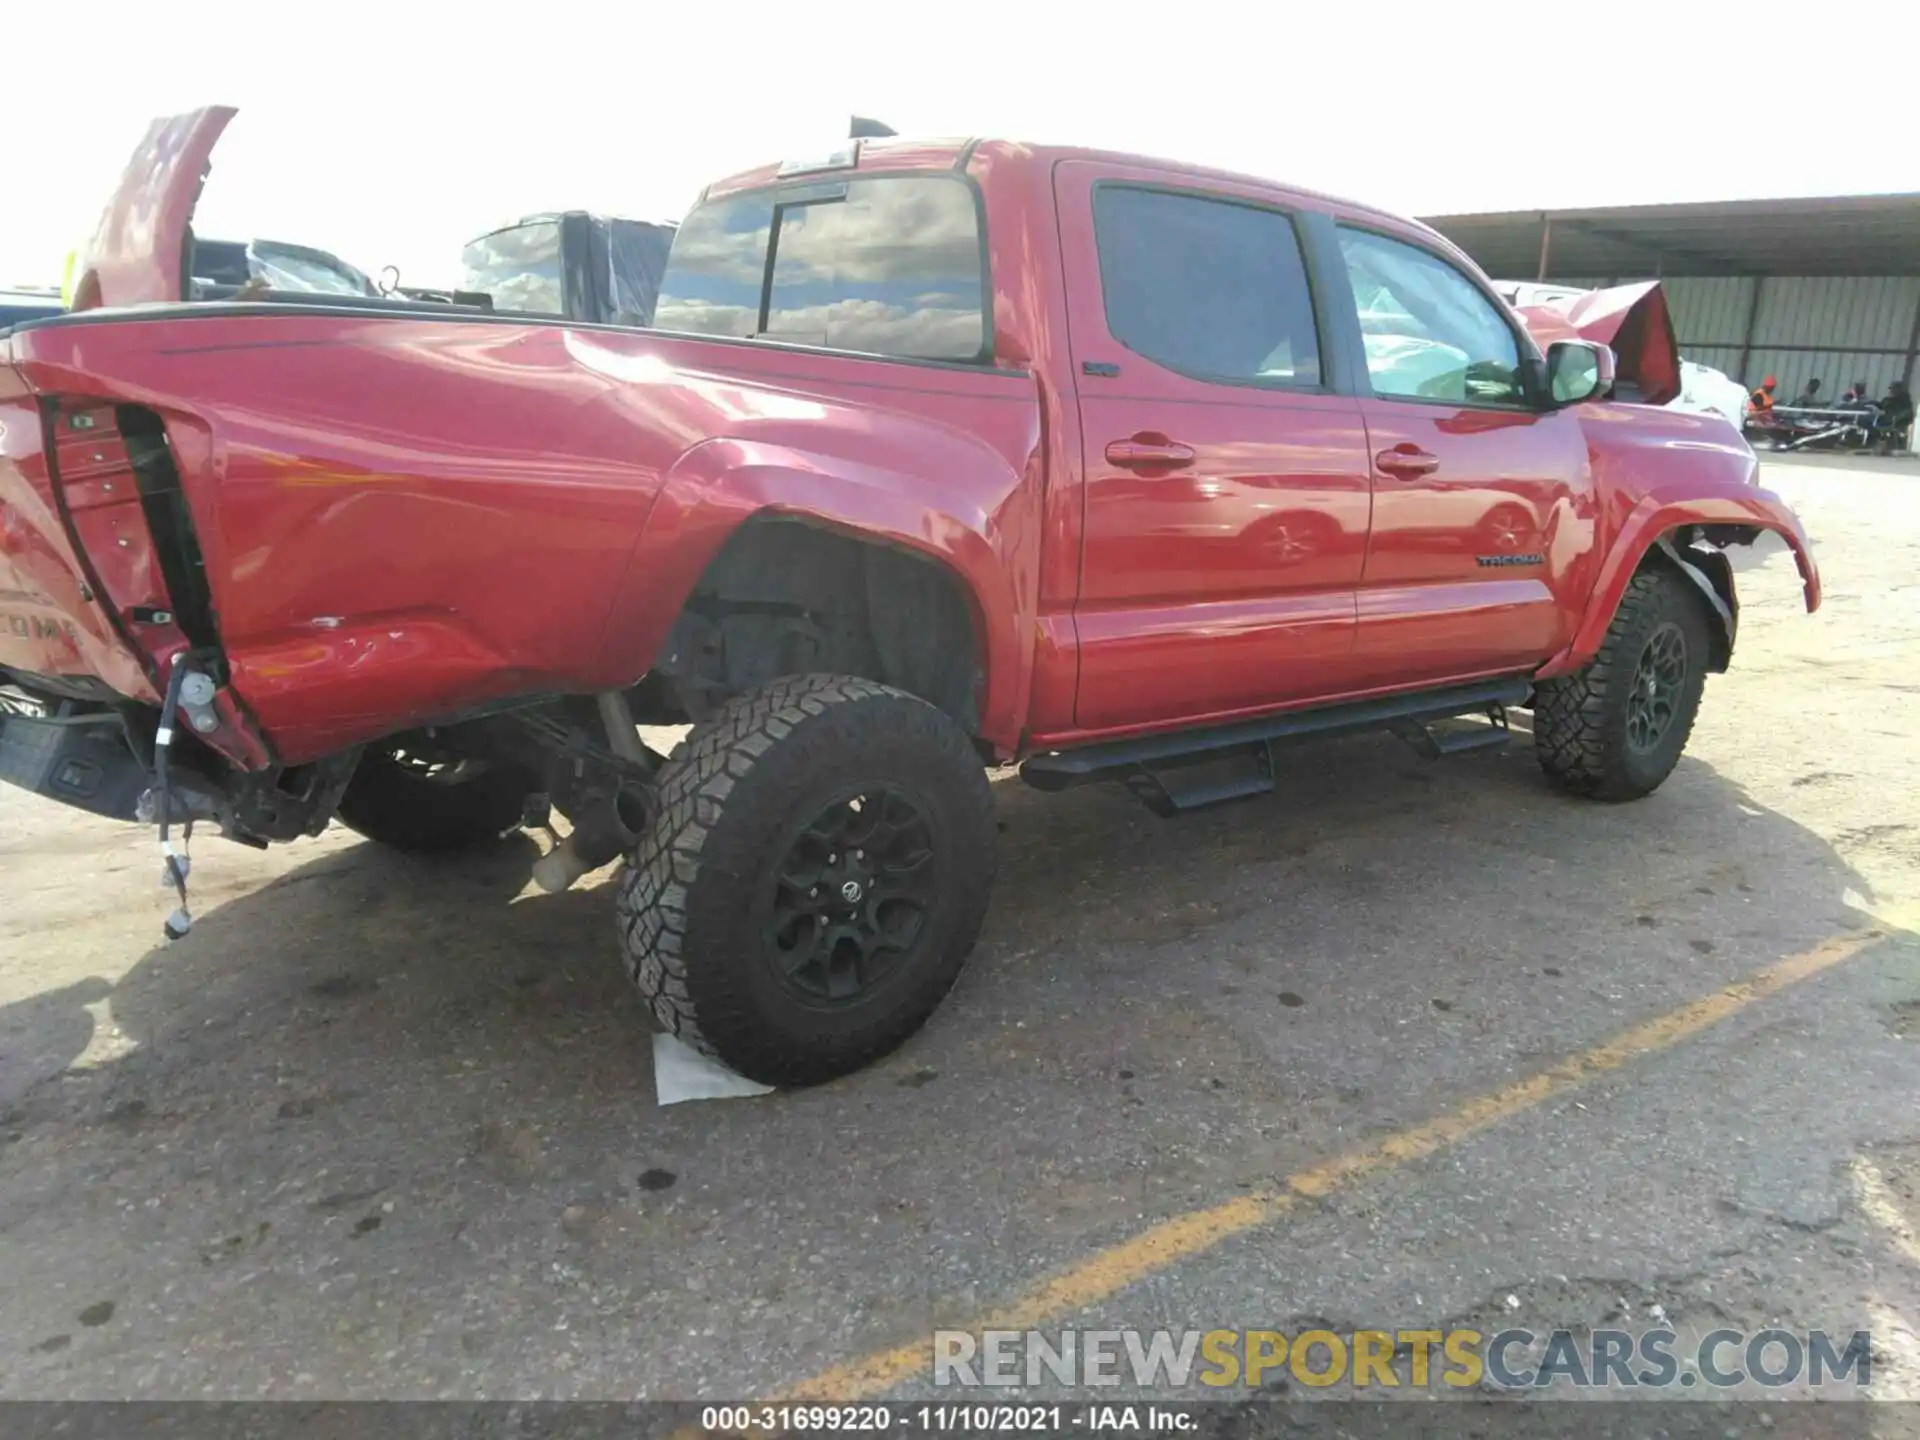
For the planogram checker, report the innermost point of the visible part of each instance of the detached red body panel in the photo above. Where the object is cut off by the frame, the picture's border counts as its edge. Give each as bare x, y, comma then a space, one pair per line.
138, 255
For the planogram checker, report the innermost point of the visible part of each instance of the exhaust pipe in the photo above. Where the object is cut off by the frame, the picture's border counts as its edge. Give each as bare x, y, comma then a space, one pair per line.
609, 822
605, 832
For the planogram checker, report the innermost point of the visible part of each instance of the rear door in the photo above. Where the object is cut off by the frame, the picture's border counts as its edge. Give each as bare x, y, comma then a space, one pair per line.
1480, 557
1227, 498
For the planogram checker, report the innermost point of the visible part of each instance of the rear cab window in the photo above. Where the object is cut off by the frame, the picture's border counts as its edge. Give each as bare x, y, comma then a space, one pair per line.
889, 265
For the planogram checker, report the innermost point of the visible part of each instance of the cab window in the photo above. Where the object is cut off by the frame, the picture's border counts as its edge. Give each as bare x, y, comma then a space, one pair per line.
1211, 288
1428, 331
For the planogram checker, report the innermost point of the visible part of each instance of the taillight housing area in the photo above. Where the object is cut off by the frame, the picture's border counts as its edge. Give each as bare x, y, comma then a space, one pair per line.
112, 478
170, 522
121, 492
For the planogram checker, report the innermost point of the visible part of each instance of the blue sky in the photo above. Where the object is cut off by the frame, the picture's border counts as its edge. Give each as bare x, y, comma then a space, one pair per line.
394, 132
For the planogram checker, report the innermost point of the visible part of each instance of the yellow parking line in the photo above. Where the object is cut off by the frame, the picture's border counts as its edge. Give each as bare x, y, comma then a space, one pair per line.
1111, 1270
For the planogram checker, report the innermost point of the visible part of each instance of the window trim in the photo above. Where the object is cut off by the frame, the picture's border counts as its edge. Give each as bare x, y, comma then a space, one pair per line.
1526, 354
987, 357
1295, 219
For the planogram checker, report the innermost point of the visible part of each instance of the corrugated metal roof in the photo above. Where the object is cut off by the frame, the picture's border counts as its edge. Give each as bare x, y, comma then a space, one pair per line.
1841, 235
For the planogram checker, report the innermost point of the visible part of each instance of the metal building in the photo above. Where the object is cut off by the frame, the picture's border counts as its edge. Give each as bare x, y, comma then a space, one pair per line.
1788, 288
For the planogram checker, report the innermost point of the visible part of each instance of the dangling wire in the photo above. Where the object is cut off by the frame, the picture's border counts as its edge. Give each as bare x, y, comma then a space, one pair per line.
174, 864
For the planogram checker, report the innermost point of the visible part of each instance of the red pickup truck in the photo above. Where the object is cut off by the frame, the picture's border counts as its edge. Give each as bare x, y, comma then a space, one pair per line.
936, 456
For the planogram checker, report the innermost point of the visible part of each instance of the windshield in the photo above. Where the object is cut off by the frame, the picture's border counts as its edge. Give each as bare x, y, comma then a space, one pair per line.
518, 267
884, 266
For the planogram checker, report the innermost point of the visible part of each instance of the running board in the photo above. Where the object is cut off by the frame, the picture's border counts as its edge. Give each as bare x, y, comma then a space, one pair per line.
1434, 739
1187, 769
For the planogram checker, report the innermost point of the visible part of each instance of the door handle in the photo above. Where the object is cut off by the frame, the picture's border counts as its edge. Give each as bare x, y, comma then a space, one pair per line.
1149, 452
1406, 462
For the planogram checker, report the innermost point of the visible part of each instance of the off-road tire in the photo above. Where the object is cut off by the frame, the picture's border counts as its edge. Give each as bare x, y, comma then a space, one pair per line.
694, 896
1580, 721
388, 803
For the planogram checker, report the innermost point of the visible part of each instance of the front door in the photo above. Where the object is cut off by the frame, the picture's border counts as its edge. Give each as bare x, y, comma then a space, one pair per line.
1480, 557
1227, 493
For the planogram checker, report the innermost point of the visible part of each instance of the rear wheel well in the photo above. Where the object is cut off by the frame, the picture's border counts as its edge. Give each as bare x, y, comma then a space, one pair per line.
787, 596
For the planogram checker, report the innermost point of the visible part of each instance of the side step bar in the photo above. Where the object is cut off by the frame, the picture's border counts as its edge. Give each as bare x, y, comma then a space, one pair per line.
1435, 740
1187, 769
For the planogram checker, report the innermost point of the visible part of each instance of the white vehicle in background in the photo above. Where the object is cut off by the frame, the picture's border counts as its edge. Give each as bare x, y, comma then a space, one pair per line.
1524, 293
1707, 391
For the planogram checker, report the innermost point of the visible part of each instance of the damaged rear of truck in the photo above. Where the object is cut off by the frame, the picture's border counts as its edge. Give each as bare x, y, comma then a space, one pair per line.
313, 546
426, 568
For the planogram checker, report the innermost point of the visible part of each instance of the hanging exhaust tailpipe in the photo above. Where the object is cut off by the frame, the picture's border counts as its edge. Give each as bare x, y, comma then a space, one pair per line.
609, 822
603, 833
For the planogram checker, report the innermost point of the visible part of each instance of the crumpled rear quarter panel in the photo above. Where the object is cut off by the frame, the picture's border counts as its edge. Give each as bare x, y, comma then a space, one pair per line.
404, 517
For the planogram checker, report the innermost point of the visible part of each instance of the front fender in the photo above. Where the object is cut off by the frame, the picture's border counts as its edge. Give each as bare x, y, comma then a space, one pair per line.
1657, 514
963, 509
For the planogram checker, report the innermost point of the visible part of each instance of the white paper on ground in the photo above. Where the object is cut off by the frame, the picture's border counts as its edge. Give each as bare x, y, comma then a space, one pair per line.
681, 1072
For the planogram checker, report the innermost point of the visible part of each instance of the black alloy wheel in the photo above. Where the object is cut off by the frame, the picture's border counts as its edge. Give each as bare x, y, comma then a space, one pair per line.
1658, 681
851, 895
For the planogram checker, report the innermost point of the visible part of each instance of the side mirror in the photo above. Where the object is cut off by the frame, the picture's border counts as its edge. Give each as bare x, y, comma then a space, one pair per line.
1578, 370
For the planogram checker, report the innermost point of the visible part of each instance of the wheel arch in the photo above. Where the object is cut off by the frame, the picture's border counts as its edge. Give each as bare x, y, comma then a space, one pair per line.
790, 593
961, 512
1687, 536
